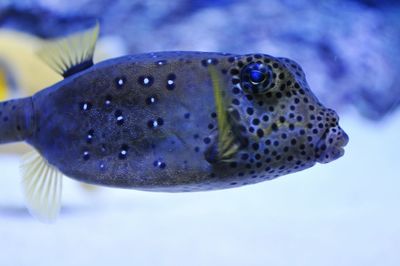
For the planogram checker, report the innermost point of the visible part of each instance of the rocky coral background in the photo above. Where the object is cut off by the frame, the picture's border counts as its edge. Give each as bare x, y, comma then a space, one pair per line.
350, 50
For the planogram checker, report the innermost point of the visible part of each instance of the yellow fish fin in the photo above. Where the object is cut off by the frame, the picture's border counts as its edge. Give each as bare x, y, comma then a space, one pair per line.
42, 185
72, 54
227, 145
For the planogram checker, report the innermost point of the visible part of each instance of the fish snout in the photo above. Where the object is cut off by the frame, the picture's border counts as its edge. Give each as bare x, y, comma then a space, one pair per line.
331, 146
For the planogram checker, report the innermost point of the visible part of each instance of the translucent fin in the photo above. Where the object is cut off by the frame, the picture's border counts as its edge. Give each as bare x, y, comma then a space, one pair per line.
42, 185
227, 145
72, 54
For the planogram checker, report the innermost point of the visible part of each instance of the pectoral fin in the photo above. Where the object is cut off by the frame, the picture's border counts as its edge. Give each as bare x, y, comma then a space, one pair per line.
225, 144
42, 185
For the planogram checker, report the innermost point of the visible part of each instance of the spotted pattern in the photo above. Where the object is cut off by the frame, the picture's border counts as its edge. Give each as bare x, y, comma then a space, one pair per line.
119, 117
120, 82
171, 81
154, 123
146, 81
281, 124
150, 122
85, 106
123, 153
159, 164
151, 100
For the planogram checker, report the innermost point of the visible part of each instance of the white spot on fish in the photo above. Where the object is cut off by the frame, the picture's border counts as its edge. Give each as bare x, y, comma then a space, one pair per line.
159, 164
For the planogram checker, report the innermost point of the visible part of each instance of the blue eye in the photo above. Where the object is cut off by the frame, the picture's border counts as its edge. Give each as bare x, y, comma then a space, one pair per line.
256, 78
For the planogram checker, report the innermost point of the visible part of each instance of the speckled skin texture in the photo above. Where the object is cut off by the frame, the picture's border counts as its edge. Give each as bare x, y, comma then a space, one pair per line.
149, 122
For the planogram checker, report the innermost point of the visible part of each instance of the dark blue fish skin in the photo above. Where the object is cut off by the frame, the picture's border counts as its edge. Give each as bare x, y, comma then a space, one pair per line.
16, 120
91, 102
149, 122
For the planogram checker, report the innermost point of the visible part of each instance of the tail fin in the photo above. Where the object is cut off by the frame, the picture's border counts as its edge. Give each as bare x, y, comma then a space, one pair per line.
16, 120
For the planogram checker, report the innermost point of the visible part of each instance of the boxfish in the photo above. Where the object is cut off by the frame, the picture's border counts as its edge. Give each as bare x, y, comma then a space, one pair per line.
166, 121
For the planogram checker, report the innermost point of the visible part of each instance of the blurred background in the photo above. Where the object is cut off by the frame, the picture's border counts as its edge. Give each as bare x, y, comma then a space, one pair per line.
342, 213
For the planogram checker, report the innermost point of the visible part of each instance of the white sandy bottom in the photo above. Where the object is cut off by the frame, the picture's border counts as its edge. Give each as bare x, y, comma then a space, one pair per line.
342, 213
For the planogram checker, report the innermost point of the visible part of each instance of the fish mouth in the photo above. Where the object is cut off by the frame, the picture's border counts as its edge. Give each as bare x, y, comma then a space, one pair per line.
331, 145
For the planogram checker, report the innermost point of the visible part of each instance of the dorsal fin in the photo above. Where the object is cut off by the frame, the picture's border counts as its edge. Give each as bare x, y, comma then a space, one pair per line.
42, 185
71, 54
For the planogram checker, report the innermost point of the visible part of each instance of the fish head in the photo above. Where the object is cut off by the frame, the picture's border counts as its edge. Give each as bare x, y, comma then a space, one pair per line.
328, 138
278, 117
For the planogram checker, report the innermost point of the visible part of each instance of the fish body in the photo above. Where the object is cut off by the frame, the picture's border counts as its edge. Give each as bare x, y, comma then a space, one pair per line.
177, 121
135, 122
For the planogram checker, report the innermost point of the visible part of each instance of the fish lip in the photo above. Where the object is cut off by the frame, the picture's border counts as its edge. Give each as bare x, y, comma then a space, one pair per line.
335, 150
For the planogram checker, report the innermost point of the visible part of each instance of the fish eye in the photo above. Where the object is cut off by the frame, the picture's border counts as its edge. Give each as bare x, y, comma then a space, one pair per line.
256, 78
